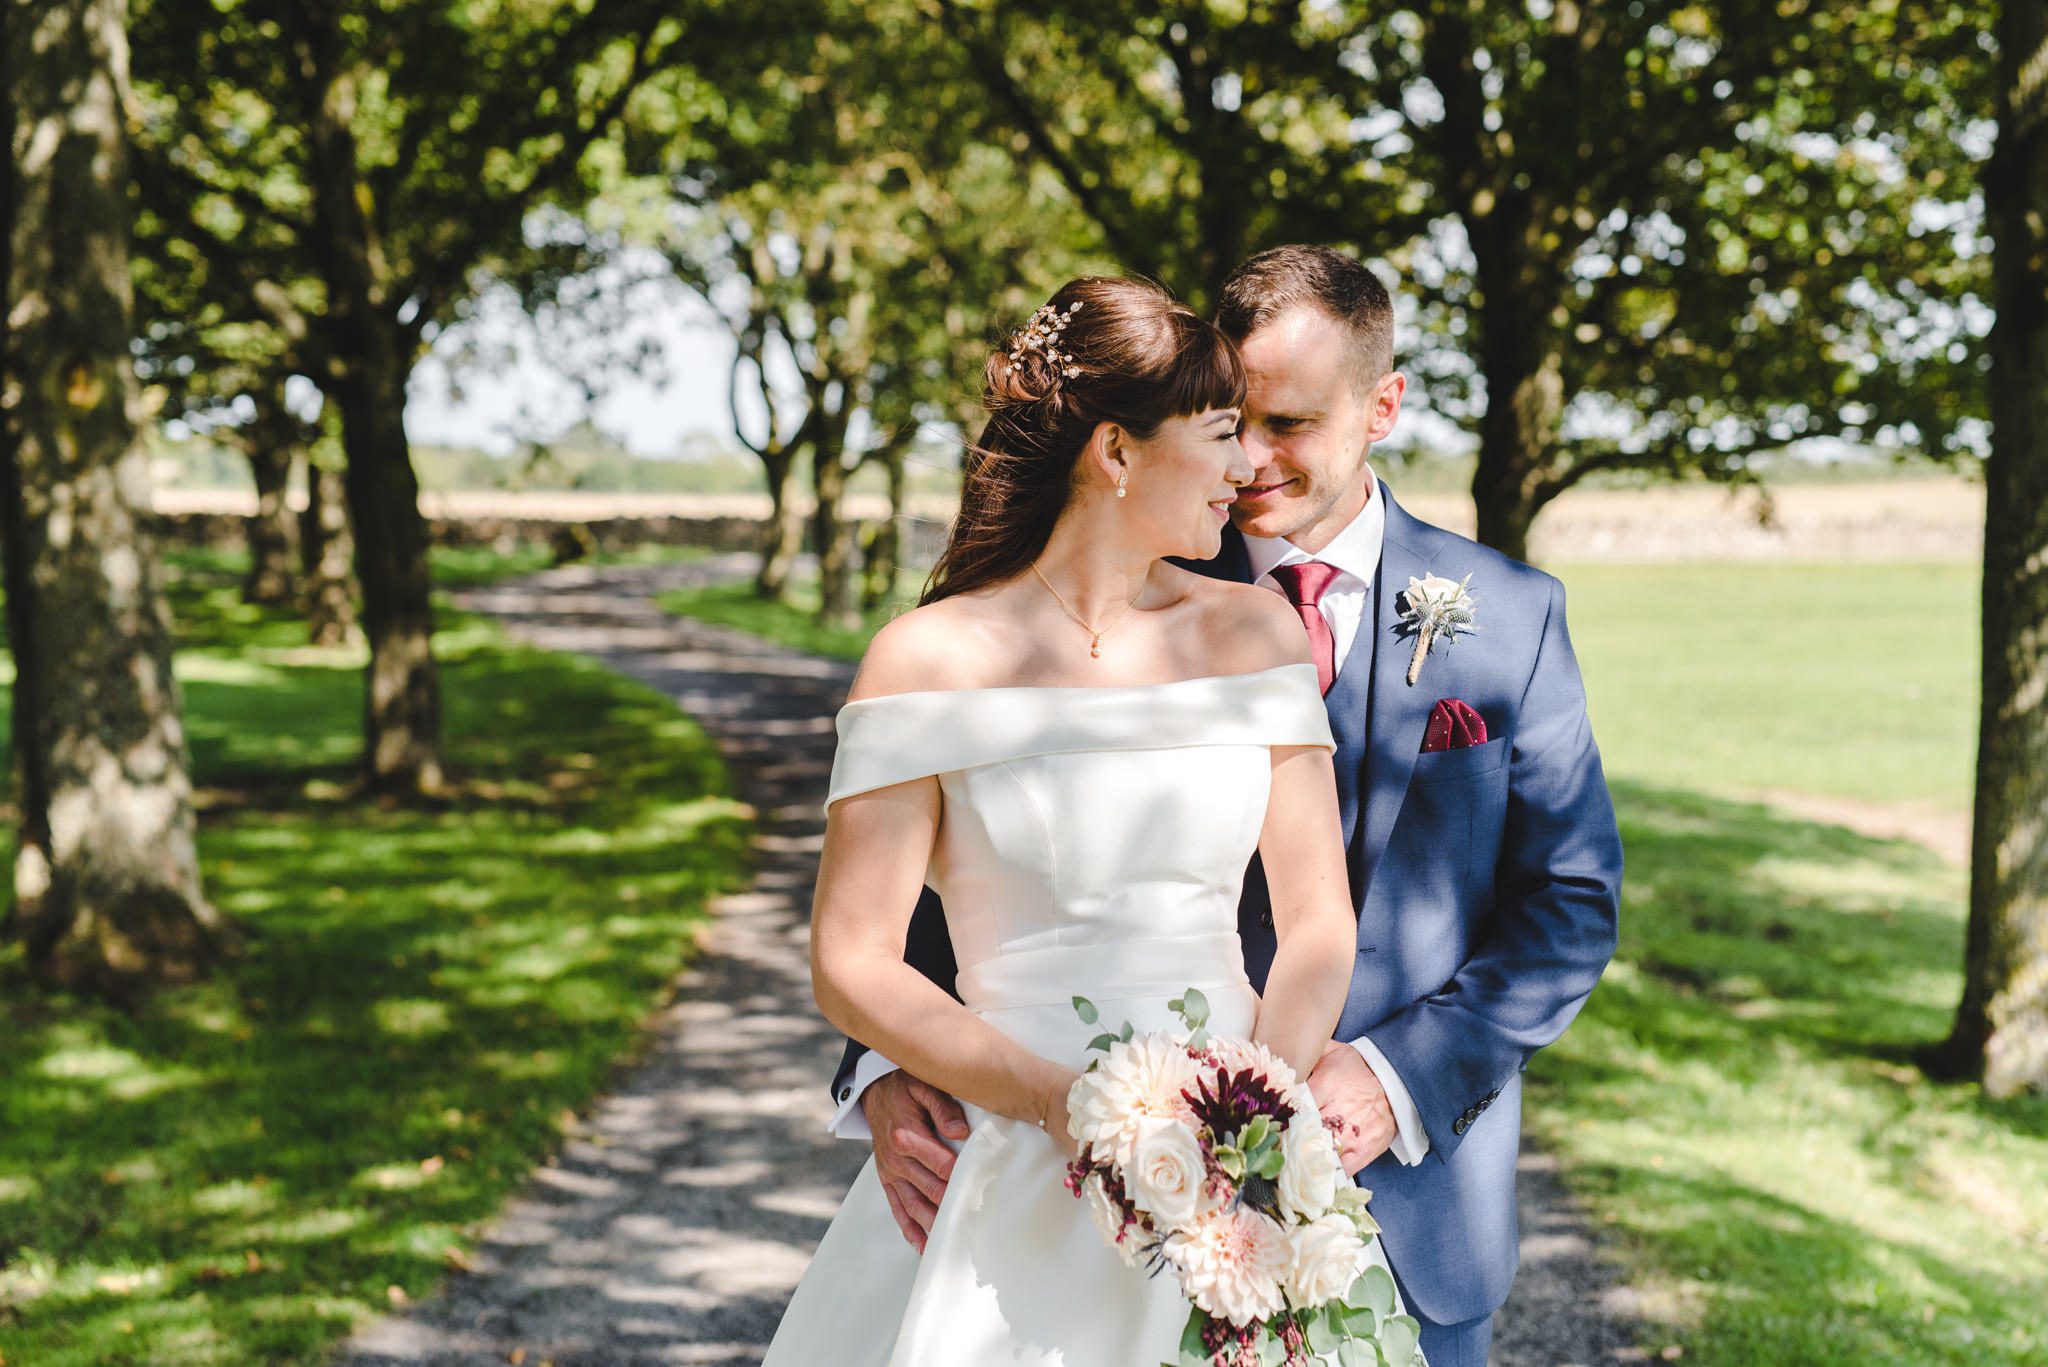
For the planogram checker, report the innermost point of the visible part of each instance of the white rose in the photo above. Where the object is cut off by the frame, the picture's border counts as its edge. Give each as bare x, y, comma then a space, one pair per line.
1311, 1168
1166, 1172
1231, 1263
1324, 1259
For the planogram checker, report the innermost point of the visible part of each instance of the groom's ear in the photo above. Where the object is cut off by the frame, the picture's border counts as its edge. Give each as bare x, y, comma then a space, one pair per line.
1383, 406
1106, 456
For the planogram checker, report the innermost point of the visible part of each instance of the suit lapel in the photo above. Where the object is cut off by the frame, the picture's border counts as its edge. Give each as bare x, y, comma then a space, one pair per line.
1396, 713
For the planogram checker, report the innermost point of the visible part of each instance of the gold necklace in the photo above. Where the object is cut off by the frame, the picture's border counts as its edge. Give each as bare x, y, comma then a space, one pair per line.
1094, 633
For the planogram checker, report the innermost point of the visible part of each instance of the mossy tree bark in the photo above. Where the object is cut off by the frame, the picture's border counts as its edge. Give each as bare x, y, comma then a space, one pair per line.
106, 873
2001, 1029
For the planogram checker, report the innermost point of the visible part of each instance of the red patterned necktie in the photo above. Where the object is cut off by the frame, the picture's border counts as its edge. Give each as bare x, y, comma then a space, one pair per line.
1305, 582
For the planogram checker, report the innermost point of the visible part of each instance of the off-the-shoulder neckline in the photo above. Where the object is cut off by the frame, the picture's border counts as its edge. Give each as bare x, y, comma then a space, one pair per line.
1076, 688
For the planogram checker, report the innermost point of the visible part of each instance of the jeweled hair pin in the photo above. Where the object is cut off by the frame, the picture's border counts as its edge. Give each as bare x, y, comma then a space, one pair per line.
1042, 334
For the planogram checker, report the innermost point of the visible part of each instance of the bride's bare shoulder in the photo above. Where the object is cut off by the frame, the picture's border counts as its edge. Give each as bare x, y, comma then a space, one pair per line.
1244, 627
930, 648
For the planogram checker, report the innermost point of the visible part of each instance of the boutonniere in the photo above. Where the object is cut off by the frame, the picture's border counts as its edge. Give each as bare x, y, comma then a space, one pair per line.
1435, 609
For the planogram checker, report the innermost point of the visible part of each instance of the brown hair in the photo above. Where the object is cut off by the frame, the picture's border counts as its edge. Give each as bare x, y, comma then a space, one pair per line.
1138, 357
1284, 278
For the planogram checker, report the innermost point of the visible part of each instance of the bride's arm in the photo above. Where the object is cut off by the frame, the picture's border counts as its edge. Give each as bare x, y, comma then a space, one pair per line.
1302, 847
877, 845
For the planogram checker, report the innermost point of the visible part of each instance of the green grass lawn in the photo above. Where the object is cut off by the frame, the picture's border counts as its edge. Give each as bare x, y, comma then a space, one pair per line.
242, 1169
1853, 681
1736, 1104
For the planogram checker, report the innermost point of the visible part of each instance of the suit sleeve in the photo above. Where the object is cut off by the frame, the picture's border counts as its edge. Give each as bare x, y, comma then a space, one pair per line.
926, 948
1557, 887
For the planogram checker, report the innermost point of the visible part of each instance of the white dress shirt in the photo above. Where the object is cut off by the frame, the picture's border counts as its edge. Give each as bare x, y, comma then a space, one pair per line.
1355, 552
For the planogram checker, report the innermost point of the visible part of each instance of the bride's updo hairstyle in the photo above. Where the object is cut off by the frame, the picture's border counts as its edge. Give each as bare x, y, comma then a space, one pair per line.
1101, 350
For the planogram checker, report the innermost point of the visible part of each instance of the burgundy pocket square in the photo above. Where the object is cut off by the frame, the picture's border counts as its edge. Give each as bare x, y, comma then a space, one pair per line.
1452, 726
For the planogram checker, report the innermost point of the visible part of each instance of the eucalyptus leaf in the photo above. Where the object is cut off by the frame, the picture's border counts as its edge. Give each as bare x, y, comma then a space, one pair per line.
1352, 1353
1360, 1323
1128, 1031
1085, 1009
1374, 1290
1199, 1040
1192, 1353
1102, 1042
1399, 1337
1325, 1330
1197, 1006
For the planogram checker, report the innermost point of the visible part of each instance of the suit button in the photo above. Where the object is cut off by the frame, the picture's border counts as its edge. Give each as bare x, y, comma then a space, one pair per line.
1458, 1125
1266, 918
846, 1093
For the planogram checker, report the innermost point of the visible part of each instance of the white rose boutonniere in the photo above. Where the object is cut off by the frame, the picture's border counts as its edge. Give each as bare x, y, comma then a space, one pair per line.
1434, 609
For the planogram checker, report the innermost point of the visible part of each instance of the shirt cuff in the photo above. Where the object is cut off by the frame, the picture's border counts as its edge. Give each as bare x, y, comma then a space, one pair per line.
1411, 1142
850, 1121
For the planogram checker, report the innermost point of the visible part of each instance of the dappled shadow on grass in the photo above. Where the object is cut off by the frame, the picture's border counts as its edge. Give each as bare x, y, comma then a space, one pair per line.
241, 1167
1734, 1101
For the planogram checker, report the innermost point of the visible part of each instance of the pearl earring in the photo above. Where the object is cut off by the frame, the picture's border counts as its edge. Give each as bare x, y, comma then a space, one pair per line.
1121, 476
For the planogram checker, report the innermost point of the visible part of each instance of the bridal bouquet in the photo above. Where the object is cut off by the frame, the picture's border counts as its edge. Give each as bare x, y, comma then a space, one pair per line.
1204, 1156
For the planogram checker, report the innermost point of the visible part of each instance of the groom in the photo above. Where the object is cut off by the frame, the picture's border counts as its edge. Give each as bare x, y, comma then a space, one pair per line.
1485, 865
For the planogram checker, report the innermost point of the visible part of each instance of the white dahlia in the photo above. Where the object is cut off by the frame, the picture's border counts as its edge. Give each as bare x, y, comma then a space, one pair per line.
1143, 1080
1109, 1217
1235, 1055
1324, 1259
1167, 1172
1231, 1263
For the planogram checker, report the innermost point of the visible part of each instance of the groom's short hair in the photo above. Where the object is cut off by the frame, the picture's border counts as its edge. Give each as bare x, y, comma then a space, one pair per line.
1283, 278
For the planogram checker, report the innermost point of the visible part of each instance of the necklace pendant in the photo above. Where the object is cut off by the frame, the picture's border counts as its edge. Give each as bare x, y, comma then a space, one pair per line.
1095, 648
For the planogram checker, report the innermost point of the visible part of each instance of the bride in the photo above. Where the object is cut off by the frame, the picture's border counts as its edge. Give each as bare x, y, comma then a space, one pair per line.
1079, 745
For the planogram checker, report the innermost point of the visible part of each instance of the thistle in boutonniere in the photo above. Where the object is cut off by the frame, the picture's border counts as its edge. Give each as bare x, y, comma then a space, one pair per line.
1436, 608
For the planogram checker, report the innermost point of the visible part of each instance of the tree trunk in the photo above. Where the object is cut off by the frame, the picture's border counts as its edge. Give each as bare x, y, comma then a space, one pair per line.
327, 552
884, 558
106, 874
271, 443
1518, 434
783, 536
402, 697
2001, 1028
832, 534
402, 702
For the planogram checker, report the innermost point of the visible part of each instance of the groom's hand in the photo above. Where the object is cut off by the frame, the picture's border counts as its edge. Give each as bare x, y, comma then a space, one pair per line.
911, 1120
1352, 1100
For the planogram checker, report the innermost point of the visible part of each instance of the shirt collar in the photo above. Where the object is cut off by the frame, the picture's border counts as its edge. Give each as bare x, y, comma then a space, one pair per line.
1355, 550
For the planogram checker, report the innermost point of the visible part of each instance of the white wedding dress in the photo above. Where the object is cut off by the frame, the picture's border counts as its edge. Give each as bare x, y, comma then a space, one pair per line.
1092, 842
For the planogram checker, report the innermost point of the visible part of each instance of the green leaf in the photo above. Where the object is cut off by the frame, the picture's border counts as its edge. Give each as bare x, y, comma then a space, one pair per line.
1197, 1007
1360, 1323
1269, 1164
1374, 1290
1325, 1329
1231, 1161
1128, 1031
1192, 1354
1199, 1040
1255, 1133
1085, 1009
1399, 1337
1352, 1353
1102, 1042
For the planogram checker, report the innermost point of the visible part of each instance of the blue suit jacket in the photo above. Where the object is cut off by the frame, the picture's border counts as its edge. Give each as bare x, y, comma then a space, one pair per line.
1487, 882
